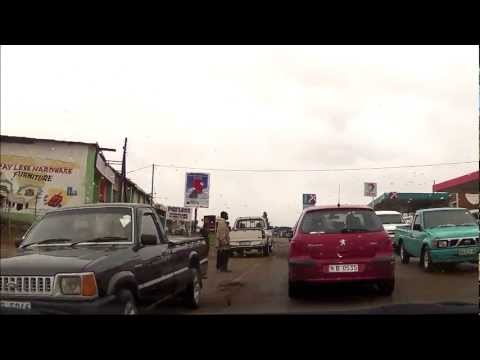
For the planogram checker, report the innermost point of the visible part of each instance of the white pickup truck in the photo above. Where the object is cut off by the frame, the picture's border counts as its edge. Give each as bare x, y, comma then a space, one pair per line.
251, 233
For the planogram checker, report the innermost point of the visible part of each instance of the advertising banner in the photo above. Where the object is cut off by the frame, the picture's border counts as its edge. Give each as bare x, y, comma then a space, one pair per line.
309, 200
35, 178
370, 189
179, 213
197, 190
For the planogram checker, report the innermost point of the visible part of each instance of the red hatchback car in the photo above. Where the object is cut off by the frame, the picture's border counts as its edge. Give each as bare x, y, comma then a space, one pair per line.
340, 244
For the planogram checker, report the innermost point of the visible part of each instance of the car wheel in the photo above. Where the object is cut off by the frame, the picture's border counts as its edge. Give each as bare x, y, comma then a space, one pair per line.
386, 287
265, 251
426, 260
128, 305
294, 290
192, 294
404, 257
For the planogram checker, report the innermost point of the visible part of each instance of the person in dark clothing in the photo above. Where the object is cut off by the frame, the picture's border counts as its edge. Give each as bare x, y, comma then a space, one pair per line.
223, 242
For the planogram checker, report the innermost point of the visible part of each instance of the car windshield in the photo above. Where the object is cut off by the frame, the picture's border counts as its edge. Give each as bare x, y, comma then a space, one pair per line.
76, 226
448, 218
339, 221
391, 218
308, 154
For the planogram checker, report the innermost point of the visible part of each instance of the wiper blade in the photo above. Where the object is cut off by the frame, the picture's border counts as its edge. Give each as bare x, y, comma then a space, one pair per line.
100, 239
46, 241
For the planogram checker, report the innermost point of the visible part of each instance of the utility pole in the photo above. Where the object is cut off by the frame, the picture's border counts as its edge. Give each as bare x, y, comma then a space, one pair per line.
124, 172
153, 174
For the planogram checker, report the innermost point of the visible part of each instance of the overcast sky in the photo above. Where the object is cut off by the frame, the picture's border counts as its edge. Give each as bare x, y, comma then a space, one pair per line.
255, 107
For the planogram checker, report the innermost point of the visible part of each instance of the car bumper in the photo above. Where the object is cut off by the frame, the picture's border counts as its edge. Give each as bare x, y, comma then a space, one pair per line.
247, 247
102, 305
451, 255
316, 271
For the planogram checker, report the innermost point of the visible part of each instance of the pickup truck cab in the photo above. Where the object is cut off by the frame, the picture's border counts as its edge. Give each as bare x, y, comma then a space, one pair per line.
101, 258
251, 233
443, 236
391, 220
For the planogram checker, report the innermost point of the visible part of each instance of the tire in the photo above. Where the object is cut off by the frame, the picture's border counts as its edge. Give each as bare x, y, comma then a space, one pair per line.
192, 294
294, 290
386, 287
426, 260
127, 302
404, 256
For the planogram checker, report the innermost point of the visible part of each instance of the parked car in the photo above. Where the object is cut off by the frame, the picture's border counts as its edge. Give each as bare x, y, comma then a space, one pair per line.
335, 244
391, 221
250, 233
102, 258
443, 236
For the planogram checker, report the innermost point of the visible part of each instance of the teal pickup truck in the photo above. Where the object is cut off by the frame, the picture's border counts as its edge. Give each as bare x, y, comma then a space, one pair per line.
443, 236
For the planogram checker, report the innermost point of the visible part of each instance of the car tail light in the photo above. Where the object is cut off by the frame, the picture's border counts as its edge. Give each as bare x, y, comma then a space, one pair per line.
386, 244
297, 248
263, 234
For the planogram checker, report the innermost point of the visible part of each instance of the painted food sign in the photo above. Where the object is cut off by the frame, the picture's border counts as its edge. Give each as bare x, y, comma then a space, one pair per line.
36, 177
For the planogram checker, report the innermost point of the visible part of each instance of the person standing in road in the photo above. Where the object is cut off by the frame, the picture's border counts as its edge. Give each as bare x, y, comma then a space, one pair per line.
223, 242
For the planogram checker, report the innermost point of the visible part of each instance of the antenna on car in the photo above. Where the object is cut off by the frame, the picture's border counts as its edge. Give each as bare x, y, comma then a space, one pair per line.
338, 204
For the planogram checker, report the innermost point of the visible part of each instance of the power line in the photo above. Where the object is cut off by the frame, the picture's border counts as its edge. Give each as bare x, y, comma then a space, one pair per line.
302, 170
128, 172
306, 170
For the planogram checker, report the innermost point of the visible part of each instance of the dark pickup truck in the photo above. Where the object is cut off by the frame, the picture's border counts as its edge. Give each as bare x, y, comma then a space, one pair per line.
101, 258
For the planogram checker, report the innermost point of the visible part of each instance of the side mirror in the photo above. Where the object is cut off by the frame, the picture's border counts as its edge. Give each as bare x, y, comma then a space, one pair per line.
149, 239
417, 227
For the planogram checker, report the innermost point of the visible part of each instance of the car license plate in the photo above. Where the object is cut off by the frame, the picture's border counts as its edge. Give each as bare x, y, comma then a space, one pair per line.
466, 252
18, 305
343, 268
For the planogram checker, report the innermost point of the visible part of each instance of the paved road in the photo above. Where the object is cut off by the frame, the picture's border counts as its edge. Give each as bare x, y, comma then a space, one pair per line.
258, 285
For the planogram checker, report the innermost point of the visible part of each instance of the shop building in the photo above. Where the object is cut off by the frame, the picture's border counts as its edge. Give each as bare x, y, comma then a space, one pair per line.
37, 175
463, 190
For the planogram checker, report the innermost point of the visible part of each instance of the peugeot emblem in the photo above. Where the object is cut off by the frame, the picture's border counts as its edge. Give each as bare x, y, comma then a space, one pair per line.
343, 242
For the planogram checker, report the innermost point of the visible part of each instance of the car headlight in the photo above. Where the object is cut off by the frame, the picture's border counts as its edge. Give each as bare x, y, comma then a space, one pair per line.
442, 243
71, 285
76, 285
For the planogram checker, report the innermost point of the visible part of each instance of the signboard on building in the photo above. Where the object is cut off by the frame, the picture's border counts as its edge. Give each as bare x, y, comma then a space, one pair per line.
370, 189
197, 190
179, 213
309, 200
41, 176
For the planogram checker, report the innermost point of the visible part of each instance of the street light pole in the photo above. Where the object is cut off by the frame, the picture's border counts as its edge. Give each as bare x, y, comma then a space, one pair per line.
153, 174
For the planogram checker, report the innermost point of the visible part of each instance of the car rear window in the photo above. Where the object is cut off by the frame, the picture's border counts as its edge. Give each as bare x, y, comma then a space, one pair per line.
250, 224
340, 220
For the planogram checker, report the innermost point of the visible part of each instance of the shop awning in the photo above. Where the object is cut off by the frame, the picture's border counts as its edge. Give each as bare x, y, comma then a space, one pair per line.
467, 184
410, 202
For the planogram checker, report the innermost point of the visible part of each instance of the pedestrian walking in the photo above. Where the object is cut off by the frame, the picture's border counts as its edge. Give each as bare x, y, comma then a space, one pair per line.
223, 242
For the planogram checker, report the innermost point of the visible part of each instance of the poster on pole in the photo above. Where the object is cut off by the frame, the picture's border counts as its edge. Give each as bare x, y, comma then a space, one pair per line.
179, 213
309, 200
197, 190
370, 189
